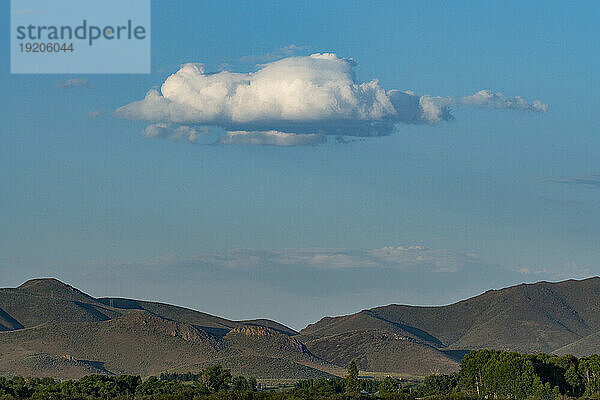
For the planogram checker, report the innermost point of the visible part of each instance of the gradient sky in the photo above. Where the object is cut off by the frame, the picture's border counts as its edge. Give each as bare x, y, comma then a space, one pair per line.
492, 198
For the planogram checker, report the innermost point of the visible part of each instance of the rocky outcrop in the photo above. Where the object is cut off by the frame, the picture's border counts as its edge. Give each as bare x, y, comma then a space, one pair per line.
273, 337
155, 324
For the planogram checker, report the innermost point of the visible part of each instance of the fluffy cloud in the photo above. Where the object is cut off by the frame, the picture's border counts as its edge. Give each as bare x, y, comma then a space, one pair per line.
314, 95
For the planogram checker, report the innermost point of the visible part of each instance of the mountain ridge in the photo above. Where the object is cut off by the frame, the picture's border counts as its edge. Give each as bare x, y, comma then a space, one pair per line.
49, 328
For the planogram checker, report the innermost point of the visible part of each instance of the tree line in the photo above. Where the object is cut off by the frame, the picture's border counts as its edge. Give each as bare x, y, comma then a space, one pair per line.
518, 376
211, 381
483, 374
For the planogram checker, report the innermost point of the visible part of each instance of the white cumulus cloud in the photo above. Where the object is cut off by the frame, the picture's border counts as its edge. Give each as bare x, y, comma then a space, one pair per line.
314, 96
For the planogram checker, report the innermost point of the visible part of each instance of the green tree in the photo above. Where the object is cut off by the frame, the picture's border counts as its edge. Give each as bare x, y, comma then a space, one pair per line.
239, 384
438, 384
352, 383
572, 379
471, 369
388, 386
216, 378
252, 384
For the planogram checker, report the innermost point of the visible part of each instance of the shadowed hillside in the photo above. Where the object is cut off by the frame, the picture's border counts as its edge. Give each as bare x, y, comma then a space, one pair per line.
541, 317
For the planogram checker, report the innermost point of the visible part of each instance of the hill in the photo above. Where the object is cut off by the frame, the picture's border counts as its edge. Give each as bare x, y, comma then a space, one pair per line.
540, 317
52, 329
48, 328
48, 300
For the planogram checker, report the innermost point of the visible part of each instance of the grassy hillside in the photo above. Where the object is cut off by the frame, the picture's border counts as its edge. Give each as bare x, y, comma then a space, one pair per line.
582, 347
376, 350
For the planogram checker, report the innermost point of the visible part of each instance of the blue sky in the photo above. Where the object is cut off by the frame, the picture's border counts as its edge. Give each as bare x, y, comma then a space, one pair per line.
493, 197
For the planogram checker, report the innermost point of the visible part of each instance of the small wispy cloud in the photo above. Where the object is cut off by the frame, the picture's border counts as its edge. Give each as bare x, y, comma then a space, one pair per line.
497, 100
281, 52
93, 114
270, 138
324, 271
569, 270
174, 132
394, 257
584, 180
73, 83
